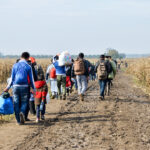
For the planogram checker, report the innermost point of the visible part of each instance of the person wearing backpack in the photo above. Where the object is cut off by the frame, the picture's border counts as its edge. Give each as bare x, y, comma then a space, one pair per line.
81, 70
102, 69
61, 78
31, 105
51, 76
40, 95
21, 79
112, 72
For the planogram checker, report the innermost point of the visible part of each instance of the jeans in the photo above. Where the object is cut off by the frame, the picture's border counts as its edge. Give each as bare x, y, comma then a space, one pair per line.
61, 81
38, 111
21, 99
76, 85
82, 84
102, 84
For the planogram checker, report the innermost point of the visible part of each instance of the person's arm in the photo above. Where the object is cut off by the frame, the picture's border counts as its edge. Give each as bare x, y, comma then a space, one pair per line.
114, 67
48, 71
44, 92
72, 71
11, 80
96, 66
31, 78
34, 73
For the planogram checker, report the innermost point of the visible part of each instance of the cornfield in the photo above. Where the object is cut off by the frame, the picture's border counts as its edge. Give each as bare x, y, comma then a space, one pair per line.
140, 68
6, 67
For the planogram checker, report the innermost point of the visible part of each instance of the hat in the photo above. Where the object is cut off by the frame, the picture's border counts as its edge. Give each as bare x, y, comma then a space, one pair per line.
32, 60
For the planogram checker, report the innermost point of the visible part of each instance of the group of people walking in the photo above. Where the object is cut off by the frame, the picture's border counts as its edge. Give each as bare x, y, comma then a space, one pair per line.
30, 85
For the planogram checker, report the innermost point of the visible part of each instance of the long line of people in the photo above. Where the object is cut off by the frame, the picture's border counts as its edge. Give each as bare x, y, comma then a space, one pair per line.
30, 86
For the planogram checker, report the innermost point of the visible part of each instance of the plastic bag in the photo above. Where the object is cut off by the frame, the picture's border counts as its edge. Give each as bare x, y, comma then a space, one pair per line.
6, 106
65, 59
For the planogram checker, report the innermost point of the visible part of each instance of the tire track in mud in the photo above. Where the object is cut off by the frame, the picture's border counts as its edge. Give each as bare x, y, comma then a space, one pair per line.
120, 122
68, 116
64, 110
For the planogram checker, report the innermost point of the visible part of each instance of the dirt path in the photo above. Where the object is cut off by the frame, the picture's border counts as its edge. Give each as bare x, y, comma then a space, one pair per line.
121, 122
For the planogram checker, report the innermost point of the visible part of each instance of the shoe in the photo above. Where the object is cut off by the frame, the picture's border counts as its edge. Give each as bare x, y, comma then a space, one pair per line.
27, 119
60, 97
64, 97
37, 120
22, 118
42, 117
52, 97
101, 98
18, 124
81, 97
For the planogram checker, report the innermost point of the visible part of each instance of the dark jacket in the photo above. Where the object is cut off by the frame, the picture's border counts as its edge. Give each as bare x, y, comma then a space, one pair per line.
33, 70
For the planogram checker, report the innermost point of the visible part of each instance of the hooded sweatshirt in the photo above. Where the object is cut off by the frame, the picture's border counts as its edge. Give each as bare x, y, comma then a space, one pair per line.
41, 92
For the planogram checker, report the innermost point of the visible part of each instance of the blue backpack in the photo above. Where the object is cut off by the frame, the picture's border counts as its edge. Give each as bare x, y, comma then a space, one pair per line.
6, 105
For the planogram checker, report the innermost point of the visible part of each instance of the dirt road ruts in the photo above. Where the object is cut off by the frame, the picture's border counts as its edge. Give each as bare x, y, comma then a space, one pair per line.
120, 122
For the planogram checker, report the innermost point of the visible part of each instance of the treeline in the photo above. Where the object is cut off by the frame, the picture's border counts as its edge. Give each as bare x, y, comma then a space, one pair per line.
45, 56
110, 52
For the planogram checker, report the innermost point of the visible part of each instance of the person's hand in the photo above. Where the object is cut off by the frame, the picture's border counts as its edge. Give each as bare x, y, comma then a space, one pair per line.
6, 90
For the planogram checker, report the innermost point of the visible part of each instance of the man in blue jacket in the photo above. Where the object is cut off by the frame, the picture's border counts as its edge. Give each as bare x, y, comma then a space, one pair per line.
61, 78
21, 79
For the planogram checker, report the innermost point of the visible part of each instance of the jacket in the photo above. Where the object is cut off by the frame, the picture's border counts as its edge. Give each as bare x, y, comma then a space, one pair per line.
22, 75
41, 92
114, 69
50, 67
60, 70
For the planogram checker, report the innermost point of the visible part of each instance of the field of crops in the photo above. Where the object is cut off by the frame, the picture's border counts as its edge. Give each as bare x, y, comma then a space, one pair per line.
6, 66
140, 68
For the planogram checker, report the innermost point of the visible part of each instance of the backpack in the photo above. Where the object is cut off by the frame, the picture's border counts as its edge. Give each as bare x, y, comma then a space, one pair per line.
39, 72
102, 71
110, 68
52, 73
79, 67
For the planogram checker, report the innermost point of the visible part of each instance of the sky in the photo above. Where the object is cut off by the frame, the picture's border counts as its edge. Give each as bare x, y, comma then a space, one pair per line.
51, 26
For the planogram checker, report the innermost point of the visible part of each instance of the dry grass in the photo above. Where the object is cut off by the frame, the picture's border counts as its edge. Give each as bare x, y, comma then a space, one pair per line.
140, 68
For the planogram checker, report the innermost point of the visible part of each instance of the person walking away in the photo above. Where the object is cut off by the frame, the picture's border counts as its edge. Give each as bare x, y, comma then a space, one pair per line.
112, 71
119, 64
80, 69
51, 76
40, 95
68, 79
61, 79
102, 71
31, 105
21, 79
48, 77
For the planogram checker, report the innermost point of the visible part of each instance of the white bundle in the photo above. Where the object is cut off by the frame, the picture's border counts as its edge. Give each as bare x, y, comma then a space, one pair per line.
65, 59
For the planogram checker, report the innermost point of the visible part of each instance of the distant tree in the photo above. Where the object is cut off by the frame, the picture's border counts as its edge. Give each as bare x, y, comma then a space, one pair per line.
122, 55
115, 54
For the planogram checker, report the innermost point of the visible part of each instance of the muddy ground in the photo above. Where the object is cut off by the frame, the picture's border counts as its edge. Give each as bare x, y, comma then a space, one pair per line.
120, 122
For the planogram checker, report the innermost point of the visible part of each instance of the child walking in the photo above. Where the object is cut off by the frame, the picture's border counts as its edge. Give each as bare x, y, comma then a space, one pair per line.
40, 95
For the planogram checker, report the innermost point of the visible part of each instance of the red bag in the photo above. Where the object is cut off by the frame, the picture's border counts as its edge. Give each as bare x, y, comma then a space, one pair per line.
68, 82
53, 73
